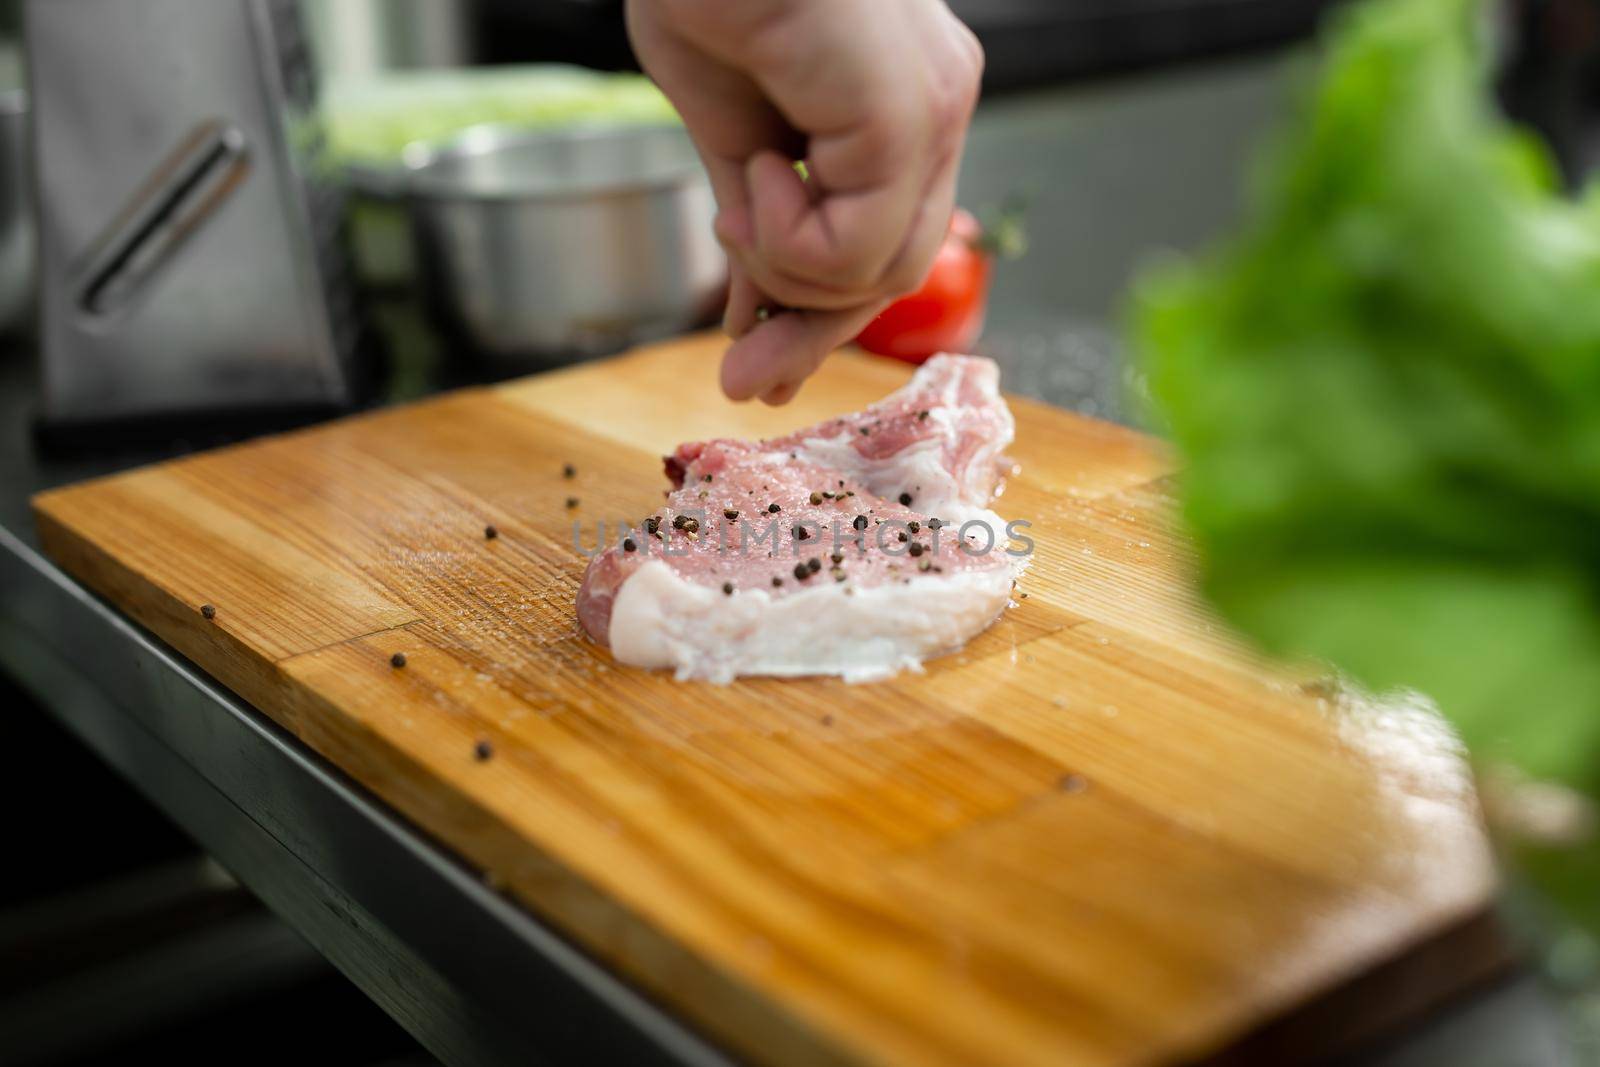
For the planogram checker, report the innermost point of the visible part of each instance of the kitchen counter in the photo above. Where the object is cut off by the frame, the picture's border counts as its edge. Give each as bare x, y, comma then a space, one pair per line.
1116, 171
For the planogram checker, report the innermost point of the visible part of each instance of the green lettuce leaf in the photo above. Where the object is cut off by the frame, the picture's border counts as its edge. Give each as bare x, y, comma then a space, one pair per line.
1387, 393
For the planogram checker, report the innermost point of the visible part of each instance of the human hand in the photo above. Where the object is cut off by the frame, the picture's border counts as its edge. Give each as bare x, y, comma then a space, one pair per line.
875, 97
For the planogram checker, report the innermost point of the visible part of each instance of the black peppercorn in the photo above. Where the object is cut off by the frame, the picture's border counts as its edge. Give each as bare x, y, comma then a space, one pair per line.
482, 750
397, 660
490, 533
207, 611
905, 500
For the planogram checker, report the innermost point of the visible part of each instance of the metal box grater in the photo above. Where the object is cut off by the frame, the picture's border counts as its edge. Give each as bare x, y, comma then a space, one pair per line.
190, 253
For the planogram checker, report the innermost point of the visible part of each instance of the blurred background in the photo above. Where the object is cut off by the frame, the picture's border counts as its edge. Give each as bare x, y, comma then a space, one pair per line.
1127, 127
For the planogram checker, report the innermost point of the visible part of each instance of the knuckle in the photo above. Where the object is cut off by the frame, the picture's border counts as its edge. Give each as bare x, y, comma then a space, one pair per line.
967, 45
882, 141
975, 53
954, 95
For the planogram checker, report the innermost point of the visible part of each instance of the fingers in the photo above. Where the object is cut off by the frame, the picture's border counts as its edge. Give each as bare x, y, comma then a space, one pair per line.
773, 359
903, 274
835, 232
744, 301
906, 273
882, 182
876, 96
776, 192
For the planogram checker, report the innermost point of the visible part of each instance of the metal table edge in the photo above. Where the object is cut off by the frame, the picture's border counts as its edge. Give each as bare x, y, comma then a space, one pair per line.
473, 976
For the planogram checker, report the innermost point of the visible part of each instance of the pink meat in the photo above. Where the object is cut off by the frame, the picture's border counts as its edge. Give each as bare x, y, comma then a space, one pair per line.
952, 401
859, 502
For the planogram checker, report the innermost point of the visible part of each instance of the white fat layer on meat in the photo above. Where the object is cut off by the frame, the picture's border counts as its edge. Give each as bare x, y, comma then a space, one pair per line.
862, 634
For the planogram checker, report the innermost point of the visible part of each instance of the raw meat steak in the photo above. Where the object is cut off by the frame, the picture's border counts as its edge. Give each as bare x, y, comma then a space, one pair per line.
857, 547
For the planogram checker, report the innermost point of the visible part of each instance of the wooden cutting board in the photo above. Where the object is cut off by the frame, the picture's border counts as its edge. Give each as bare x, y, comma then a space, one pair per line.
1099, 835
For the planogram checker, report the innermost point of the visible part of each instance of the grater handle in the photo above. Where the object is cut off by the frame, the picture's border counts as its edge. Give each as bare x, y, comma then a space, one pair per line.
185, 190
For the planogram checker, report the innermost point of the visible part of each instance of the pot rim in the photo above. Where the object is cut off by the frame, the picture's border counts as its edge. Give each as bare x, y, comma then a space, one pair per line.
412, 179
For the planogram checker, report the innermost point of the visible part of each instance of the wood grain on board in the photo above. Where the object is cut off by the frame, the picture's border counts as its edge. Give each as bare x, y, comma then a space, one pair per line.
1101, 834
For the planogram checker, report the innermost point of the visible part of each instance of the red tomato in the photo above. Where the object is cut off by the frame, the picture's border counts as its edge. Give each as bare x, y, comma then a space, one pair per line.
946, 314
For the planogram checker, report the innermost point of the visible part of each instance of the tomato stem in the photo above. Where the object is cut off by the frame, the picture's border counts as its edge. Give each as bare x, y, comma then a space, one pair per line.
1004, 234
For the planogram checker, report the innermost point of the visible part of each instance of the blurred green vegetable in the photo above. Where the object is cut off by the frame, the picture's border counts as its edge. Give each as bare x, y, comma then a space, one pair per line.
1387, 390
369, 120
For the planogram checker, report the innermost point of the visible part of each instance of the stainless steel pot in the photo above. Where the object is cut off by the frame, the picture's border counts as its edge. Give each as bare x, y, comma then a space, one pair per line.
564, 243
